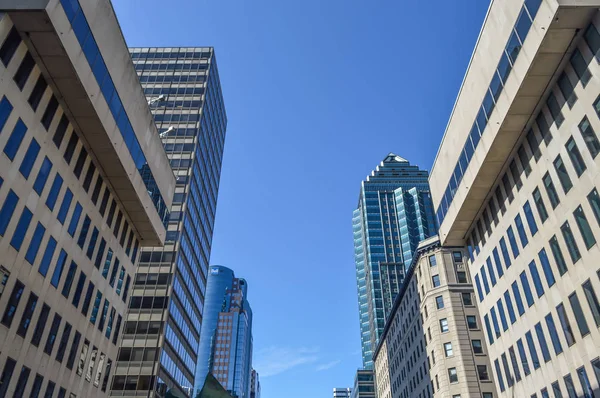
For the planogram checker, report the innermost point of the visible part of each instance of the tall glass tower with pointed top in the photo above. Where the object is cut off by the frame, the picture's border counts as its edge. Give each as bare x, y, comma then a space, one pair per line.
394, 214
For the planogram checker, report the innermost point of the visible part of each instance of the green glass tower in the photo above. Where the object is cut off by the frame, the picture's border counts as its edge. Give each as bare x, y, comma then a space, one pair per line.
394, 214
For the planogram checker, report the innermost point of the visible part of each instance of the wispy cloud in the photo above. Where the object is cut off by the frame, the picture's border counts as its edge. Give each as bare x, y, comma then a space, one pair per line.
274, 360
327, 365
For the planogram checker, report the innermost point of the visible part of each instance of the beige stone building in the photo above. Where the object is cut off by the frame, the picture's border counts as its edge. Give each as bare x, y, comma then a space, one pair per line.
516, 182
433, 343
84, 184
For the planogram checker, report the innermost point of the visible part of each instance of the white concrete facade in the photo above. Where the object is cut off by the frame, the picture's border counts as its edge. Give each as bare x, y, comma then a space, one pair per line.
526, 207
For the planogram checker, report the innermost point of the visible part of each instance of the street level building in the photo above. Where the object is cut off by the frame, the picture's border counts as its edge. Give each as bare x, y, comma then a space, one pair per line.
162, 330
84, 185
433, 343
516, 182
364, 384
342, 392
394, 213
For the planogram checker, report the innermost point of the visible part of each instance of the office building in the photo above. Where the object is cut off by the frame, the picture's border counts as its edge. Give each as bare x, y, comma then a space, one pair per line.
163, 324
394, 213
364, 384
84, 184
342, 392
433, 343
255, 386
516, 181
226, 336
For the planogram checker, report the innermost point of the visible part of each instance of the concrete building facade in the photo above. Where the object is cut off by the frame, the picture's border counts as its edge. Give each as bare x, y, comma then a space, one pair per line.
162, 330
516, 182
433, 343
84, 185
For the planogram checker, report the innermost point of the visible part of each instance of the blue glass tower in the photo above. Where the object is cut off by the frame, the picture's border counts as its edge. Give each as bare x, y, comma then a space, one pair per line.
226, 336
162, 331
394, 213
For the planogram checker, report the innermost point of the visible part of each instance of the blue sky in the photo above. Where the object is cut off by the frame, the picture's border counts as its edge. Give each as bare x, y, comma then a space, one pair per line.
317, 93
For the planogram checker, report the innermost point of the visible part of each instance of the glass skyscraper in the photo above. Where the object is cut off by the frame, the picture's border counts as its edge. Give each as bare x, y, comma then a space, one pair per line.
394, 213
162, 330
226, 337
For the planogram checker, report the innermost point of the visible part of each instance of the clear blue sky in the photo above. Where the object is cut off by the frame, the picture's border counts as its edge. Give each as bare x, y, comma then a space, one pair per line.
317, 93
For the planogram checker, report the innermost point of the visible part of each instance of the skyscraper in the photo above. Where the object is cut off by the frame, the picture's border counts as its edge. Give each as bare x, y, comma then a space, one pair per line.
84, 183
394, 213
516, 182
163, 324
255, 386
226, 337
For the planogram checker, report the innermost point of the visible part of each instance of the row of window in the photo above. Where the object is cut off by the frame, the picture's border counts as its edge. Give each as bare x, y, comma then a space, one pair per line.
175, 54
552, 329
502, 72
95, 60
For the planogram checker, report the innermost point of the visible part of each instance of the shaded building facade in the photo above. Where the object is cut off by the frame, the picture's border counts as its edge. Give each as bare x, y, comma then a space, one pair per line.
84, 185
162, 329
226, 337
394, 213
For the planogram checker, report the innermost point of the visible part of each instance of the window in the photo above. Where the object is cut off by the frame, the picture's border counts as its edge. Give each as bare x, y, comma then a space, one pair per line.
546, 267
579, 317
584, 227
80, 162
556, 390
589, 137
61, 129
435, 280
500, 199
27, 314
575, 156
84, 231
13, 302
47, 258
565, 324
7, 372
439, 301
488, 329
100, 254
523, 357
21, 229
109, 325
37, 386
15, 139
70, 150
491, 271
498, 262
83, 356
553, 334
117, 330
563, 175
588, 392
477, 346
60, 264
75, 219
518, 299
87, 181
54, 190
514, 363
49, 112
104, 201
495, 321
96, 307
558, 256
596, 367
551, 191
113, 274
516, 175
443, 325
88, 298
78, 289
40, 325
532, 350
62, 346
567, 89
42, 177
541, 208
472, 322
485, 280
594, 200
457, 256
592, 300
8, 49
513, 242
592, 38
73, 350
499, 376
509, 307
52, 334
92, 244
570, 386
521, 231
482, 372
542, 341
97, 188
467, 299
452, 375
537, 282
555, 111
37, 93
526, 288
50, 389
432, 261
34, 244
581, 67
478, 286
534, 144
509, 379
29, 160
507, 187
502, 314
461, 277
64, 207
570, 241
104, 314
